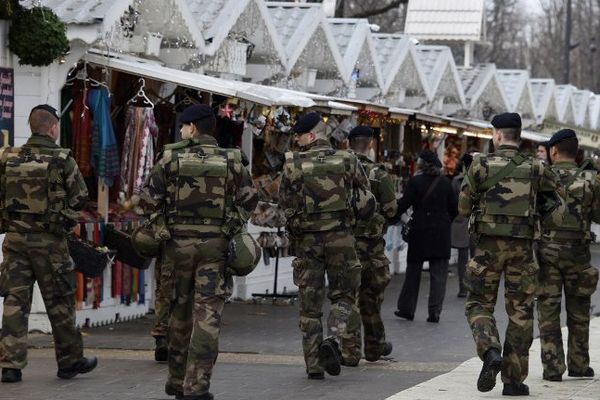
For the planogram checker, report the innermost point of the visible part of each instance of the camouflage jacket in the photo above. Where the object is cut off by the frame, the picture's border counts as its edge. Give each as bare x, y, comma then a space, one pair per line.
328, 198
51, 208
227, 197
382, 187
510, 207
572, 220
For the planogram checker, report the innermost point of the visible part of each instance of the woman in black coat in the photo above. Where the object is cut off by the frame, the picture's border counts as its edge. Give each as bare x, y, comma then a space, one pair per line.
429, 238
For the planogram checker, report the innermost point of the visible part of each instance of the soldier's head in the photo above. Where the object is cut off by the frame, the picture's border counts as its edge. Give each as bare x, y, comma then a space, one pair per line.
507, 129
197, 120
309, 128
563, 146
44, 120
360, 139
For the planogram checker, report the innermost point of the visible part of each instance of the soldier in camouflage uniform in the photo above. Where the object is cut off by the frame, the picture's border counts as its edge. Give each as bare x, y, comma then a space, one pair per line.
206, 197
500, 194
564, 256
322, 192
370, 246
41, 187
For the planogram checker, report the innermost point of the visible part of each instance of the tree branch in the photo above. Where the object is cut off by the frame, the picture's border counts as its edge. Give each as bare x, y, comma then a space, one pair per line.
377, 11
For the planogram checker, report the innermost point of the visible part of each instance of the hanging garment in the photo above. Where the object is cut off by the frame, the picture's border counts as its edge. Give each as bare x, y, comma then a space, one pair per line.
82, 132
66, 120
138, 149
105, 153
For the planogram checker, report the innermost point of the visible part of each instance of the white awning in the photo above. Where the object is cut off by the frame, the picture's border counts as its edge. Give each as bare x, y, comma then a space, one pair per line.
264, 95
534, 136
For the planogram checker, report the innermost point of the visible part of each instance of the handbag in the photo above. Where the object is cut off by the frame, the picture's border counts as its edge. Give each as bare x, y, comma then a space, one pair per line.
405, 229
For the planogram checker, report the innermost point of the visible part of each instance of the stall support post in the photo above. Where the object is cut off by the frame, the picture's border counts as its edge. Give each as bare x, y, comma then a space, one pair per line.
103, 200
275, 295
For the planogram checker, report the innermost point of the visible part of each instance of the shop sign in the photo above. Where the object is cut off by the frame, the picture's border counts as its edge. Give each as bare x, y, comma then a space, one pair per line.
587, 137
7, 106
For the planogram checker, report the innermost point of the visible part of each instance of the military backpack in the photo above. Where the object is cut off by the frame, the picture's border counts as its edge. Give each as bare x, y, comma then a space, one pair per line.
201, 185
505, 202
324, 182
571, 221
32, 188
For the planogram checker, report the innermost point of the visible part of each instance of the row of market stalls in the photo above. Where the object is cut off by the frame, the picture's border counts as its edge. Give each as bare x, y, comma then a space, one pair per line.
133, 66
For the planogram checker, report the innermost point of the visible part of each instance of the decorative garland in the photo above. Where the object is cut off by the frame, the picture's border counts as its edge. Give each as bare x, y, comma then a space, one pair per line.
37, 36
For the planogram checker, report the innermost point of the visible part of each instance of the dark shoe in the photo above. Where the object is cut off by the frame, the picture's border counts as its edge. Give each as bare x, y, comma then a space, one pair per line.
316, 375
11, 375
82, 366
384, 350
170, 390
205, 396
329, 357
515, 389
588, 373
492, 364
349, 363
400, 314
462, 294
161, 350
552, 378
435, 318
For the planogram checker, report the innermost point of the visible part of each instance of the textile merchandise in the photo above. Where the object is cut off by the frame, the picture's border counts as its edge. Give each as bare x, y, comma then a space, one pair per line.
105, 153
137, 155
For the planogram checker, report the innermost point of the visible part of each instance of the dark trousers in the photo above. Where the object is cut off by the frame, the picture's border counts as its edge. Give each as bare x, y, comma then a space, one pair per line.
463, 258
438, 269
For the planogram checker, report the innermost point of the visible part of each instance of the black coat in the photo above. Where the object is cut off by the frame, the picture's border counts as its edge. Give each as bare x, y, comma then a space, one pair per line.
430, 226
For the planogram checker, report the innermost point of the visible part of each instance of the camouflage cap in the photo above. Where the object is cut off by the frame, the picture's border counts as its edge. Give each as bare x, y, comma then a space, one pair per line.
144, 242
244, 254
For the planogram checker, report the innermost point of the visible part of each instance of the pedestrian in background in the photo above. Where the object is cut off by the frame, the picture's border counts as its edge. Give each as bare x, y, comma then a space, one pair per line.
461, 239
434, 207
42, 188
500, 194
564, 256
542, 152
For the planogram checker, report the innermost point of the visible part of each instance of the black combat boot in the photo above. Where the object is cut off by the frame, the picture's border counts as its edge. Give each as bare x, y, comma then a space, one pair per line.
329, 356
316, 375
552, 378
161, 349
82, 366
11, 375
384, 350
171, 390
492, 364
515, 389
588, 373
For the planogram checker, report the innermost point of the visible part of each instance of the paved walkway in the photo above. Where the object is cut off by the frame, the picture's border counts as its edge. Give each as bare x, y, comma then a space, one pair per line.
460, 383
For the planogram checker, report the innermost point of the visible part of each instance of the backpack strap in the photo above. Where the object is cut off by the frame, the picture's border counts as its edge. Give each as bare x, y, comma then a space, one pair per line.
492, 181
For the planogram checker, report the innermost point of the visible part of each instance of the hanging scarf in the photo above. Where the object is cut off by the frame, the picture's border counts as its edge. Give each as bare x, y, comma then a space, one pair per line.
105, 153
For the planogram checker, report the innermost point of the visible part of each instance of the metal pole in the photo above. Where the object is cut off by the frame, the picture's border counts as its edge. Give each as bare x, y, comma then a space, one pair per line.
567, 57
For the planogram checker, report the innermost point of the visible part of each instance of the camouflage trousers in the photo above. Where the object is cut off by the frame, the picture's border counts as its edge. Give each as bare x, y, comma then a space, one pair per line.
44, 258
375, 276
334, 254
163, 294
201, 287
513, 257
565, 265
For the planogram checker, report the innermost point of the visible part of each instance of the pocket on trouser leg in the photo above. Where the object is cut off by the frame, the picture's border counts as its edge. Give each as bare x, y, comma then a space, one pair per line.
587, 281
64, 279
299, 271
475, 277
380, 276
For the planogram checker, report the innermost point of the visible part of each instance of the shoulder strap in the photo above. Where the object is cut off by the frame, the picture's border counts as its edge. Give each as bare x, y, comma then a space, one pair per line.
576, 174
432, 186
492, 181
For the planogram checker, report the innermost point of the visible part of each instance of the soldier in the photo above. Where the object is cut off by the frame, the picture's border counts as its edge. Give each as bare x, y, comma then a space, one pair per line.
41, 189
206, 197
564, 256
322, 192
370, 246
500, 193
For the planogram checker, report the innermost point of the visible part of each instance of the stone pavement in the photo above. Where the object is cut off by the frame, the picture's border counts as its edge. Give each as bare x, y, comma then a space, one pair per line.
261, 357
459, 384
